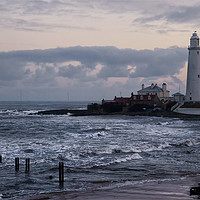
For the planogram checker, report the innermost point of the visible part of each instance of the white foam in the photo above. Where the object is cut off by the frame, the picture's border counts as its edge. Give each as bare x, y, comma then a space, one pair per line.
132, 183
113, 148
28, 112
98, 134
164, 123
127, 158
122, 159
155, 148
131, 150
18, 112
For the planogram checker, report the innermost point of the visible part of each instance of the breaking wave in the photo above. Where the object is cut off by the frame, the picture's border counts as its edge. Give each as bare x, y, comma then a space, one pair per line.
18, 112
119, 160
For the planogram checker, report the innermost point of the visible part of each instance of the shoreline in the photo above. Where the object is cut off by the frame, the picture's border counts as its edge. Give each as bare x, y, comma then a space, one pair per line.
155, 190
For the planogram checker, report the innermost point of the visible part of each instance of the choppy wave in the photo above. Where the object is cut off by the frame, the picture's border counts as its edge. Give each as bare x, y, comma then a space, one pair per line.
187, 143
116, 150
18, 112
93, 148
119, 160
98, 134
149, 148
96, 129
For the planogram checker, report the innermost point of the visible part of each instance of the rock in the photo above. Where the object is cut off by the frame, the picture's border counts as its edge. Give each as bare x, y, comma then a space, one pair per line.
194, 191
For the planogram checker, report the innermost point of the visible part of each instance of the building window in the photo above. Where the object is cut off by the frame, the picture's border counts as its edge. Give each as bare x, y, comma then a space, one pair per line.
141, 98
198, 52
190, 98
198, 76
149, 97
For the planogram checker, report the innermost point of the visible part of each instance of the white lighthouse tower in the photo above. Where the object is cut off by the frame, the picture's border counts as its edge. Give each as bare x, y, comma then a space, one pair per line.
193, 72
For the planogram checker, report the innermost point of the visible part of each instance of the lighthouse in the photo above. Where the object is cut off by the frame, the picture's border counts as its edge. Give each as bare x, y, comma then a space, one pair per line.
193, 71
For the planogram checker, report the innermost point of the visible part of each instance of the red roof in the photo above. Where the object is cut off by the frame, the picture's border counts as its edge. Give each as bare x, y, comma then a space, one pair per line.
142, 97
132, 98
122, 99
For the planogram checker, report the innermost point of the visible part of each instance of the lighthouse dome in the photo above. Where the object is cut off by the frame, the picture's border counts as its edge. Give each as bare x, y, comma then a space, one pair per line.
194, 36
194, 40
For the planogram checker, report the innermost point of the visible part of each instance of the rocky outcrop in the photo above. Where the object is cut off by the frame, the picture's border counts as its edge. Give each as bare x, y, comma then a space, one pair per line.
157, 113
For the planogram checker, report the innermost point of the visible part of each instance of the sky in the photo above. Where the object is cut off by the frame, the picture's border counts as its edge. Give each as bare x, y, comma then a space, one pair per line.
80, 50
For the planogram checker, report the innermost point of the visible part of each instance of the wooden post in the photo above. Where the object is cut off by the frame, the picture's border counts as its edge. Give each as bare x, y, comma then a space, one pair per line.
0, 158
27, 165
61, 173
17, 164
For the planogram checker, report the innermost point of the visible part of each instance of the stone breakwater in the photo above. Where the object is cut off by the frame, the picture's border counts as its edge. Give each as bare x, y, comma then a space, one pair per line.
147, 113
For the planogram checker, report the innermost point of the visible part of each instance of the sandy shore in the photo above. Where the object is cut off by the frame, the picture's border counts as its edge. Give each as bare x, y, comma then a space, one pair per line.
161, 190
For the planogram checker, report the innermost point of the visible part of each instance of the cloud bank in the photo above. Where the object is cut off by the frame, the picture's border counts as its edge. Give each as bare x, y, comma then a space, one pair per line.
114, 62
88, 66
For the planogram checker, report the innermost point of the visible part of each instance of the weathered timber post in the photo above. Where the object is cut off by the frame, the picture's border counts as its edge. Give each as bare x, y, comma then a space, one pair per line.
61, 173
17, 164
27, 165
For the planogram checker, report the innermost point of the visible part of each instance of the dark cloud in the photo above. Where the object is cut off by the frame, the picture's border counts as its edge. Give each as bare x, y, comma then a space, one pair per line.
12, 70
114, 62
173, 15
71, 71
183, 14
42, 76
160, 62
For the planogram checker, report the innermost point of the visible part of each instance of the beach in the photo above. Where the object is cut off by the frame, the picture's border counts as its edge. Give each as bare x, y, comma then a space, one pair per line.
160, 190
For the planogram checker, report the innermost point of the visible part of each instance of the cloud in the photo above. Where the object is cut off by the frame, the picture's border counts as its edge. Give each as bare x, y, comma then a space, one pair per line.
160, 62
183, 14
165, 18
88, 71
51, 23
50, 15
114, 63
39, 26
71, 71
42, 75
40, 15
11, 70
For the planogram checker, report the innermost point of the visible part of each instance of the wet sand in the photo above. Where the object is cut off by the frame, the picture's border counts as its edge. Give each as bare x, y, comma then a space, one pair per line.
164, 190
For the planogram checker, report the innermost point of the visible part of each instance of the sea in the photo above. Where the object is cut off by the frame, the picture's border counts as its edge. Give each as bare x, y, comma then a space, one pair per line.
98, 152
